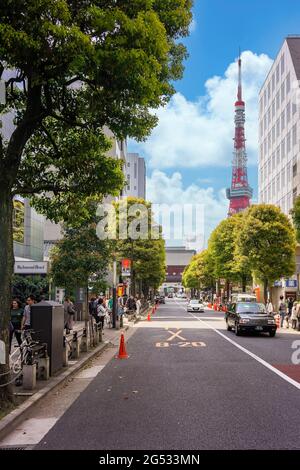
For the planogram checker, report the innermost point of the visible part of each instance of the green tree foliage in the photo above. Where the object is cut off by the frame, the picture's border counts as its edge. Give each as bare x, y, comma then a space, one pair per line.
147, 254
199, 273
296, 217
23, 286
267, 239
75, 67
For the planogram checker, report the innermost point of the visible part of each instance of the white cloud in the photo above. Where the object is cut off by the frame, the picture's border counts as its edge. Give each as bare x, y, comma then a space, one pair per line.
193, 134
162, 189
193, 25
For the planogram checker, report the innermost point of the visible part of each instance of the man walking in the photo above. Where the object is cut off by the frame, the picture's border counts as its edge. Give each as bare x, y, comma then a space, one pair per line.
282, 309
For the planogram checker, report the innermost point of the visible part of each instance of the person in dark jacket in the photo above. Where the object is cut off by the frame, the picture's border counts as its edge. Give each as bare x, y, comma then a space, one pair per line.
16, 317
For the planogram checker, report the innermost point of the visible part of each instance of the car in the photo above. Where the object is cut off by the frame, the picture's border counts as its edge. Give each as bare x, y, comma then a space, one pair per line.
161, 299
243, 297
195, 305
246, 317
170, 295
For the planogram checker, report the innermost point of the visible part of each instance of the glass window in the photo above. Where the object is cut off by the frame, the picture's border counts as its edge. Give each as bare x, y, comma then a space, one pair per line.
135, 170
251, 308
265, 147
282, 120
269, 91
277, 101
288, 142
265, 98
294, 134
282, 64
295, 169
269, 141
128, 164
288, 112
294, 193
282, 149
269, 166
288, 172
278, 128
269, 116
282, 92
288, 83
265, 122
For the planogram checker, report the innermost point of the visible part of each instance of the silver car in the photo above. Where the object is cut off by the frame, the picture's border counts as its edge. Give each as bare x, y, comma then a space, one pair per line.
195, 305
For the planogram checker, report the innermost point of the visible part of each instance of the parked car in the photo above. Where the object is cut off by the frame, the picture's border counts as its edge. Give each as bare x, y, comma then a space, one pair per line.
195, 305
249, 317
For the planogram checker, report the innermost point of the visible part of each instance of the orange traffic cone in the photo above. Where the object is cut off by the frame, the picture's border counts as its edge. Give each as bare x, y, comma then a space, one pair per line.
149, 317
277, 320
122, 350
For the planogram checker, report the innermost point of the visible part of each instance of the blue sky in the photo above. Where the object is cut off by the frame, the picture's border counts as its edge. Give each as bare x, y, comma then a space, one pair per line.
199, 155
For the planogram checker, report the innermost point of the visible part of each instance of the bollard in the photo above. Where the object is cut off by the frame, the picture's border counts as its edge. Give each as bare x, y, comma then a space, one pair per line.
100, 332
29, 377
96, 335
75, 346
121, 321
43, 369
84, 347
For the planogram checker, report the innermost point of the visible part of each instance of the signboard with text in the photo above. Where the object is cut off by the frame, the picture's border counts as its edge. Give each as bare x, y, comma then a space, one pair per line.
31, 267
126, 267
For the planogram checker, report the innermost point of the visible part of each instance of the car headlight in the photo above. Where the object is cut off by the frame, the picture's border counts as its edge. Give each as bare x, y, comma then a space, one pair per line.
244, 320
271, 322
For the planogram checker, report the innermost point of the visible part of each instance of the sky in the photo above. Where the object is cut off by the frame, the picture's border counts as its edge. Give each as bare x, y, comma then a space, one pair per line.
188, 155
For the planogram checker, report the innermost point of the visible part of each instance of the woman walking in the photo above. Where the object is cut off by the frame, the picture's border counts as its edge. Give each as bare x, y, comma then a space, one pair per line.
16, 317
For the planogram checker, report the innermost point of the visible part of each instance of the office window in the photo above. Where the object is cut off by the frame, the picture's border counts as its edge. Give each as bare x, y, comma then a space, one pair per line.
294, 193
283, 120
282, 92
277, 101
278, 128
288, 83
128, 164
282, 61
273, 109
273, 82
128, 181
288, 112
288, 142
294, 132
278, 155
277, 73
135, 170
273, 188
273, 161
288, 173
294, 169
282, 149
273, 135
282, 178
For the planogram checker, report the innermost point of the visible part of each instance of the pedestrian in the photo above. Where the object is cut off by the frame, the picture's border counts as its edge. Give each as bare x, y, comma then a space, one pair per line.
298, 316
282, 309
26, 320
269, 307
138, 304
69, 314
101, 312
290, 306
16, 317
91, 306
294, 316
131, 304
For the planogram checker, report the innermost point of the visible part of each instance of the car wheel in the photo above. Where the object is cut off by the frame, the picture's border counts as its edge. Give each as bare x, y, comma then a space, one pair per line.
272, 333
237, 330
228, 327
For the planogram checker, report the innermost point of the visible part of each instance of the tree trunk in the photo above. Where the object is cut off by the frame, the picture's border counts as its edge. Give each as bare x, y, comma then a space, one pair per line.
244, 283
266, 290
6, 272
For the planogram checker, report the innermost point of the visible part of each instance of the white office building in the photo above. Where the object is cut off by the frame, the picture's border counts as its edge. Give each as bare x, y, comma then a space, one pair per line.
279, 139
135, 173
279, 129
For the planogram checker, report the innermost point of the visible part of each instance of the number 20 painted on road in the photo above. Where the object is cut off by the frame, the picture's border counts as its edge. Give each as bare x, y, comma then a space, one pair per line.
182, 344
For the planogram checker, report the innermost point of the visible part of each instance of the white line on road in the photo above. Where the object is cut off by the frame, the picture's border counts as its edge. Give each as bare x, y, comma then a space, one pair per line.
254, 356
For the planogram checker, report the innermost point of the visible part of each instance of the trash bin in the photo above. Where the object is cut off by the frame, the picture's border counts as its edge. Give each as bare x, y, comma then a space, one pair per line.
47, 321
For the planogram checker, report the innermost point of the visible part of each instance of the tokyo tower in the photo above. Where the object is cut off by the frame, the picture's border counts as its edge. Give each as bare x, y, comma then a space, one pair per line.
240, 192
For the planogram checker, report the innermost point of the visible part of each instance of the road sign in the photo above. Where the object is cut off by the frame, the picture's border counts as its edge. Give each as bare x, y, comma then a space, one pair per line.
126, 267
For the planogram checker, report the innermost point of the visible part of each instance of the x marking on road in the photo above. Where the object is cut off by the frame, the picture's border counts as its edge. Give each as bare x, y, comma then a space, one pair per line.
175, 335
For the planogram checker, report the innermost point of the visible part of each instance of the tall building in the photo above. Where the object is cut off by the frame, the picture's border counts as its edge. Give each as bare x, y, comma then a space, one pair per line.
177, 258
135, 174
279, 155
240, 193
279, 145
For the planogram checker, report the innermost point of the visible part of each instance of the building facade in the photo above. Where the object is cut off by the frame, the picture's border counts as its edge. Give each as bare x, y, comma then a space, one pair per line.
135, 174
177, 258
279, 144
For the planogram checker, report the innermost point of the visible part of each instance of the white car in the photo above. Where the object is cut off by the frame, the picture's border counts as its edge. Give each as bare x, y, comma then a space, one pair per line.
195, 305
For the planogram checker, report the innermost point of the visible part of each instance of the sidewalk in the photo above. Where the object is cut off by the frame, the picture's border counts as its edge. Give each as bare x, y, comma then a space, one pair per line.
9, 422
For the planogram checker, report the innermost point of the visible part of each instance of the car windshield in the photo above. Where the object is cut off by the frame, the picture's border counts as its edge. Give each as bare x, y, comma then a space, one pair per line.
195, 301
250, 308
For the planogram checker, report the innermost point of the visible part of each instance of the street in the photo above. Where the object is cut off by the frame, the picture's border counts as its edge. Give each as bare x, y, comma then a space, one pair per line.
184, 386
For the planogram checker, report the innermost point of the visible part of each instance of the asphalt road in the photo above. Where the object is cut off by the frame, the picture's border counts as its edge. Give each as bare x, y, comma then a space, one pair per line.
188, 385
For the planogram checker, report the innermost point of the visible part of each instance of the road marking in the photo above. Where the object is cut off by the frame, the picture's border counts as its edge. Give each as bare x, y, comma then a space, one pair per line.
182, 344
175, 335
254, 356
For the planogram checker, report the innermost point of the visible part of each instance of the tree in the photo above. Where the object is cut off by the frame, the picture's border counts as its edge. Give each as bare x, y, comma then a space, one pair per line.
72, 67
228, 262
23, 286
267, 238
296, 217
199, 273
147, 254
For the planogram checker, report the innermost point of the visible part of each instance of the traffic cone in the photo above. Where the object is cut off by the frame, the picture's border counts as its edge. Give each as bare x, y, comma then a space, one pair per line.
149, 317
277, 320
122, 350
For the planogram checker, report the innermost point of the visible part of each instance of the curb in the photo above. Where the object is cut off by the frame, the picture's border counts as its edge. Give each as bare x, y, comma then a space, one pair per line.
15, 417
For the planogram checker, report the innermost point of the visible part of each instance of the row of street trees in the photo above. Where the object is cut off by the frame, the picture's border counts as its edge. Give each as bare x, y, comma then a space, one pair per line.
81, 259
259, 243
71, 68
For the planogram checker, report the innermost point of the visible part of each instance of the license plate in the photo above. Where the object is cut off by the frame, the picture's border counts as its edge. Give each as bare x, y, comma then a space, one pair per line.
259, 328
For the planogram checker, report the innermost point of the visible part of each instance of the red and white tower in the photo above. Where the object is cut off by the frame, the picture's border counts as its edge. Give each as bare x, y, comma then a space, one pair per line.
240, 192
